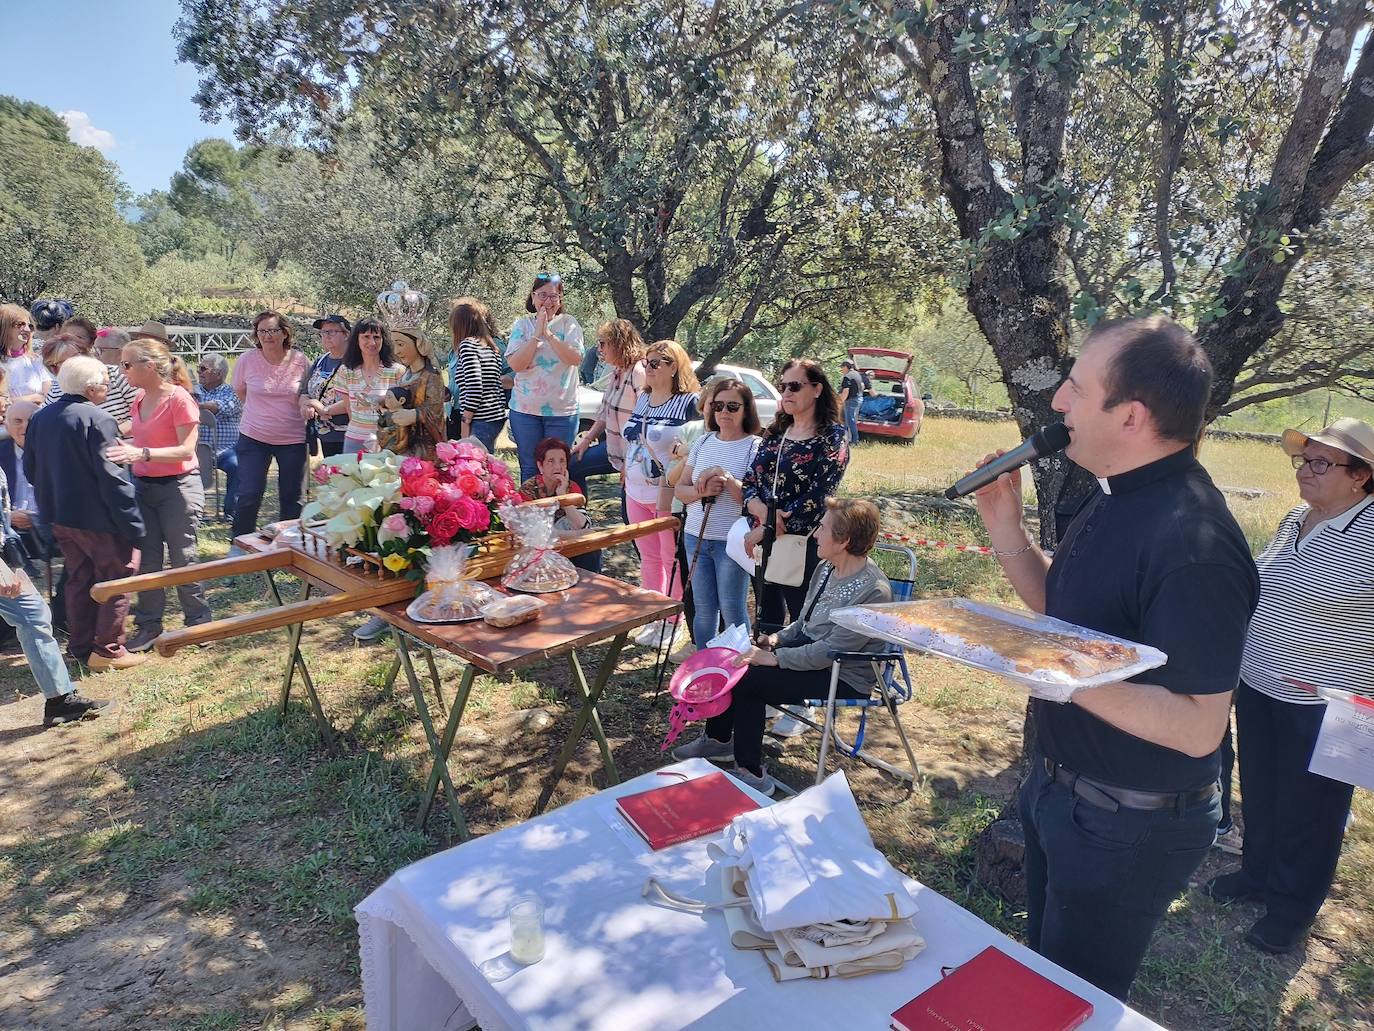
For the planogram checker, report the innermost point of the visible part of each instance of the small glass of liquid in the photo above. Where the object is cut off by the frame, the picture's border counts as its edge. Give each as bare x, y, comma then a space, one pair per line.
527, 929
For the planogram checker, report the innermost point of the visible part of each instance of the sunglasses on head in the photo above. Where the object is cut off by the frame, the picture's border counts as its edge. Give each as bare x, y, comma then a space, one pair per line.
548, 277
726, 406
792, 386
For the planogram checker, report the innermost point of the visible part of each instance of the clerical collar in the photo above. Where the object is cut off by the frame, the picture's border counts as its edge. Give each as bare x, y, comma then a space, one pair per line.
1134, 479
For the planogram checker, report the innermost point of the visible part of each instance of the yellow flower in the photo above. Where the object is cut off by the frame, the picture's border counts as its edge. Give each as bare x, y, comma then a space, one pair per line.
396, 563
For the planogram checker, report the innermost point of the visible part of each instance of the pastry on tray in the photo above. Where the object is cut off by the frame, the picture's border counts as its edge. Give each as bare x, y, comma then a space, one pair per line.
1012, 642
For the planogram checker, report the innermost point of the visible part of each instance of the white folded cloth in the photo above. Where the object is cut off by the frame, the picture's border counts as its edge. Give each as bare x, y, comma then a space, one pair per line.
810, 860
798, 951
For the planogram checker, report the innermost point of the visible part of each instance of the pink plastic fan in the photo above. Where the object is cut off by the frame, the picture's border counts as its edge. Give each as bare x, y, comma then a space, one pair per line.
701, 688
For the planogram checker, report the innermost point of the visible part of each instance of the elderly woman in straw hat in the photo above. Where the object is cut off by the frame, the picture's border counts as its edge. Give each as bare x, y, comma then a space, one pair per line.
1313, 626
412, 420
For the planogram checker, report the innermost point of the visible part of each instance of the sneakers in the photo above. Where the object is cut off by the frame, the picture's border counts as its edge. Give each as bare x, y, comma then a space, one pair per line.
373, 630
1231, 887
1230, 840
706, 747
143, 639
72, 708
656, 635
787, 725
126, 661
684, 652
760, 782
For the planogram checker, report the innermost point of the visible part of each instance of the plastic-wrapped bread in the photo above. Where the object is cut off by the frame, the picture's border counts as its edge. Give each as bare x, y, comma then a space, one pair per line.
450, 596
536, 567
512, 610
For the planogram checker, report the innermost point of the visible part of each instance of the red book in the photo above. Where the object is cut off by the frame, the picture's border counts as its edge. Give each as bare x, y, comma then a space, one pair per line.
993, 992
689, 809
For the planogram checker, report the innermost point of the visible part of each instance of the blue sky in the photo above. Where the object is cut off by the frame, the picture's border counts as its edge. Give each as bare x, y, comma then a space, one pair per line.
111, 70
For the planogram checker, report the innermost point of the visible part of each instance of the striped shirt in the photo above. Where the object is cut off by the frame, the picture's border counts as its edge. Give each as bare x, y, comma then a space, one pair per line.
118, 403
479, 381
1316, 609
735, 457
651, 433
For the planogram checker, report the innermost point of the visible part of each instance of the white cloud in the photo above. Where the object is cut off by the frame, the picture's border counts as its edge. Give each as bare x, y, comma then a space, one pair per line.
82, 132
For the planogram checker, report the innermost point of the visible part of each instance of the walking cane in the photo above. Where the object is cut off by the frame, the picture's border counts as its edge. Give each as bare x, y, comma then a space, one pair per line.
686, 585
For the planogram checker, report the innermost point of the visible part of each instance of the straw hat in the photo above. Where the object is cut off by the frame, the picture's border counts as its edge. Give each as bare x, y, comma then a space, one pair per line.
150, 329
1352, 436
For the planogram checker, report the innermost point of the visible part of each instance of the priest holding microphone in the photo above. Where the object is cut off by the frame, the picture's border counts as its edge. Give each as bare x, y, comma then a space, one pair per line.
1121, 804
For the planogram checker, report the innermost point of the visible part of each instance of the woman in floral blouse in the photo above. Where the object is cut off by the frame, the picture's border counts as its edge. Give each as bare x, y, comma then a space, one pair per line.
798, 465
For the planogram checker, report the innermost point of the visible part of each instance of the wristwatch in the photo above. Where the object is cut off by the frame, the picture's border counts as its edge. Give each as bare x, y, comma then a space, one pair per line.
147, 455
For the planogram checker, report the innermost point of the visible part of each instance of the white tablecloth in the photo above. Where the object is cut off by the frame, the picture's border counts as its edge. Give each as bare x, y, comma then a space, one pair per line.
435, 941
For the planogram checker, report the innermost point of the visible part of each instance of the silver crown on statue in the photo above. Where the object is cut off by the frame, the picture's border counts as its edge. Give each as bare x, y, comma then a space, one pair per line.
402, 306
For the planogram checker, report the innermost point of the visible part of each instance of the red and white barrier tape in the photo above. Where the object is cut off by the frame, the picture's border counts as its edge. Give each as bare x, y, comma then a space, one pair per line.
926, 542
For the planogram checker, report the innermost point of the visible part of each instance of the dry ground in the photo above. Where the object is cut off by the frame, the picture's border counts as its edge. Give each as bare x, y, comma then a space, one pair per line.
192, 861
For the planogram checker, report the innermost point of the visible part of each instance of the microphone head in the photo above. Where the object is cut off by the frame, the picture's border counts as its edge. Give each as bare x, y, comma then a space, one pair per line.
1051, 439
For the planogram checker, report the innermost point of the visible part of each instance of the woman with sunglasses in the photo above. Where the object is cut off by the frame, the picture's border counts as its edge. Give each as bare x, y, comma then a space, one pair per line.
267, 380
620, 344
667, 404
799, 464
1312, 626
28, 380
712, 488
544, 352
171, 498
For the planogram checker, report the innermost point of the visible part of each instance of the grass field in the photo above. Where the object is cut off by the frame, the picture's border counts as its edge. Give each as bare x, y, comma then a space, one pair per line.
191, 862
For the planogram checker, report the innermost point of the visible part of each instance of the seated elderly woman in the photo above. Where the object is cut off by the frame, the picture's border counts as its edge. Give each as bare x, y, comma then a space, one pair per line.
793, 665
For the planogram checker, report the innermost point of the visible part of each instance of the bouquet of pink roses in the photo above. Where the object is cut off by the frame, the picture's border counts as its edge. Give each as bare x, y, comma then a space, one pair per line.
451, 500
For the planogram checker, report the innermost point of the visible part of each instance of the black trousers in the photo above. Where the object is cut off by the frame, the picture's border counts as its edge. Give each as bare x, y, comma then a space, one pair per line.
1098, 882
759, 688
1294, 820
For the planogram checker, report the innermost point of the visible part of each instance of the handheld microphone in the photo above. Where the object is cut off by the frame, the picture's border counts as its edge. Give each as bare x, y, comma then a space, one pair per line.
1047, 441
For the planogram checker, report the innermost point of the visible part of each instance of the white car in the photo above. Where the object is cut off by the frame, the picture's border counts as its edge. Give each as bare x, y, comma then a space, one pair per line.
765, 394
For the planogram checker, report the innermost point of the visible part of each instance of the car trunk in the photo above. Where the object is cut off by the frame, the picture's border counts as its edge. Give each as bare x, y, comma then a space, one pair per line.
887, 370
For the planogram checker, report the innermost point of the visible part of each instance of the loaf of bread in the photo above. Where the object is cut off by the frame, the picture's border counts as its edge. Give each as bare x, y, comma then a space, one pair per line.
512, 610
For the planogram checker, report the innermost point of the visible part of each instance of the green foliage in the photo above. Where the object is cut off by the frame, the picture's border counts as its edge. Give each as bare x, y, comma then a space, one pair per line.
719, 168
60, 231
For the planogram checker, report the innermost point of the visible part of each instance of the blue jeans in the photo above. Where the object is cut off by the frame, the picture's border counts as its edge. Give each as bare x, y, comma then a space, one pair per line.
227, 462
529, 430
720, 587
851, 420
487, 430
594, 462
1099, 882
29, 616
254, 457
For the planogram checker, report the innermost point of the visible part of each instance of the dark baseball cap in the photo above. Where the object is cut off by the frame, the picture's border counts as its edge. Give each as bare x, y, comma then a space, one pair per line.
333, 318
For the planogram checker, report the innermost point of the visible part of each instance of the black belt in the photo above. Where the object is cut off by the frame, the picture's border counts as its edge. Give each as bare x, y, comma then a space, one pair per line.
1112, 798
161, 479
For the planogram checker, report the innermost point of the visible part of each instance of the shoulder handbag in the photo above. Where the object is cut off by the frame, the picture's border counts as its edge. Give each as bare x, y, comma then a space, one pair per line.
312, 428
784, 562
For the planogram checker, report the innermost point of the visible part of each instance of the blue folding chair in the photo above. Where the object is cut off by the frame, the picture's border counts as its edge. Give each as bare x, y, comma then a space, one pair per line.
893, 677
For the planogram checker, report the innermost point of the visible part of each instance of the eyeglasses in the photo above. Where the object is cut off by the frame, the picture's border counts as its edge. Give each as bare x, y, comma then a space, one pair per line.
130, 365
726, 406
1319, 465
263, 331
658, 363
793, 386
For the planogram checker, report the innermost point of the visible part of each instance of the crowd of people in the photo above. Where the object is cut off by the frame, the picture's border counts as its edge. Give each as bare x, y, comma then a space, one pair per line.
99, 463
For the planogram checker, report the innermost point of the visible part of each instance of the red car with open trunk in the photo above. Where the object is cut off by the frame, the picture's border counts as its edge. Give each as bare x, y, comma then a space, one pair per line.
893, 409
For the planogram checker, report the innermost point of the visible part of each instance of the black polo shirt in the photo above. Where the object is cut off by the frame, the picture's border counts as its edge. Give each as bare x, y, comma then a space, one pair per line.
1156, 557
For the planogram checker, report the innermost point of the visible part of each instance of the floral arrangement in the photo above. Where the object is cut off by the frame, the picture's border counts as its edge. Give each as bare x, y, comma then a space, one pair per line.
400, 508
